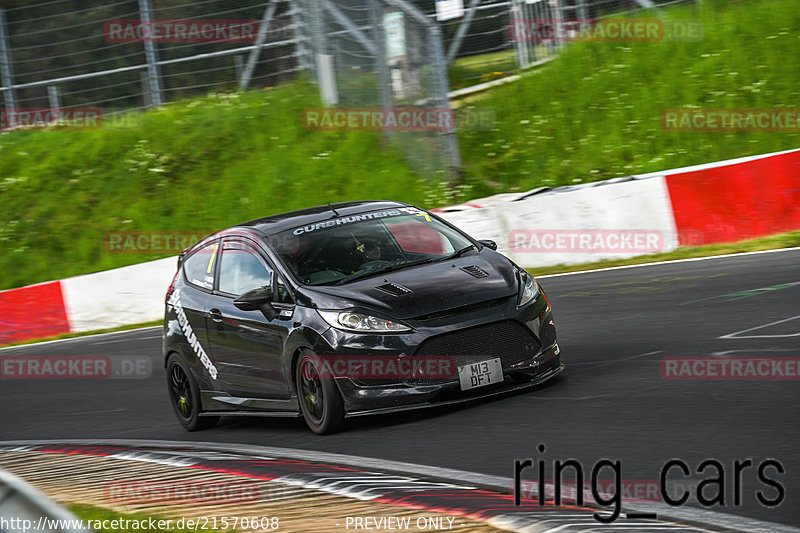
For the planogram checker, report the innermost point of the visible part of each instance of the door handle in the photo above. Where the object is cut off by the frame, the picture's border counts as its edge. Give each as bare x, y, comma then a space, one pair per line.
216, 315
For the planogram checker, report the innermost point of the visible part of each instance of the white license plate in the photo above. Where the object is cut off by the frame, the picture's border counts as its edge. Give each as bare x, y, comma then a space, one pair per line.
480, 374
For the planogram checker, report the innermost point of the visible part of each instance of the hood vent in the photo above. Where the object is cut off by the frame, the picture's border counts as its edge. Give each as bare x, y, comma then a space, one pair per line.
475, 271
394, 289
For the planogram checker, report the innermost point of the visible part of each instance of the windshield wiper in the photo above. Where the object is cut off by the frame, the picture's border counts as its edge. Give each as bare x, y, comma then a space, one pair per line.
389, 268
457, 254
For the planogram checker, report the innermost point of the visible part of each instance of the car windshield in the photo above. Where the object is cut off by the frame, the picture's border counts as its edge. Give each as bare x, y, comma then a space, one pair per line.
343, 249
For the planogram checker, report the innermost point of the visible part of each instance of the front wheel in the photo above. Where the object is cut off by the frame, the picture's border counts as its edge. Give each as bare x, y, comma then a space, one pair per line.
320, 401
184, 396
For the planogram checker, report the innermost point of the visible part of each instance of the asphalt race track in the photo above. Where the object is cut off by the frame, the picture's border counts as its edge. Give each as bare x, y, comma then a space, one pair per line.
614, 328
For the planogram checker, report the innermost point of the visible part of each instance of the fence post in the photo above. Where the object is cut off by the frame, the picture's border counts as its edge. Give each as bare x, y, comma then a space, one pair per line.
444, 87
153, 76
328, 88
255, 52
53, 97
317, 28
380, 49
558, 17
6, 74
323, 62
462, 31
440, 64
549, 11
238, 66
583, 12
301, 37
146, 94
518, 20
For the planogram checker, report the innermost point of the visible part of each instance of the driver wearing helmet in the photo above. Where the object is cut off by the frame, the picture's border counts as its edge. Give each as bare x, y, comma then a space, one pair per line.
369, 250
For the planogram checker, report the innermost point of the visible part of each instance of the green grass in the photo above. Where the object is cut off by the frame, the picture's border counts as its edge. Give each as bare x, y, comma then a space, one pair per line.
93, 513
472, 70
594, 112
772, 242
467, 71
204, 164
200, 165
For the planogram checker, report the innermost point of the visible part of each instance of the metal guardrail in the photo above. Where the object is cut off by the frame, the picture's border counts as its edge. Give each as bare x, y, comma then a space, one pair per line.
25, 509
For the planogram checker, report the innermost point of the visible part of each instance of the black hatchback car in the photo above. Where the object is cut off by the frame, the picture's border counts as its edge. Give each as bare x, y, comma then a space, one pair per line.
349, 309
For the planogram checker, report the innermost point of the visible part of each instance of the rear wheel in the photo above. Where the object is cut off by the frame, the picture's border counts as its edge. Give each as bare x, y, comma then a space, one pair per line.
320, 401
184, 396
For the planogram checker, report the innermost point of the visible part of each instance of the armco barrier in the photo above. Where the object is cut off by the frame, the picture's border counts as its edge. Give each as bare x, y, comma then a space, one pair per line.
32, 312
119, 297
717, 202
529, 230
129, 295
26, 504
738, 201
704, 204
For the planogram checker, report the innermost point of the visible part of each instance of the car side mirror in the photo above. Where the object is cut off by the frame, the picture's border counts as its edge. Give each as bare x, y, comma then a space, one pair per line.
257, 300
489, 244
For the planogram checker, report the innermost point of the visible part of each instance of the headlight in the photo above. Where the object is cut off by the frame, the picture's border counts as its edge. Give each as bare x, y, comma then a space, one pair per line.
529, 290
349, 321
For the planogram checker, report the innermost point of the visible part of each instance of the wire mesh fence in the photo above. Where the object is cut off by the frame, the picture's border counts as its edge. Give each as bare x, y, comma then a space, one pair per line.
387, 55
123, 55
492, 39
120, 56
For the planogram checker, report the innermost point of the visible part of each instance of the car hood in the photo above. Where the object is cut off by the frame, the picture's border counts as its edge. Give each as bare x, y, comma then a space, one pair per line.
432, 287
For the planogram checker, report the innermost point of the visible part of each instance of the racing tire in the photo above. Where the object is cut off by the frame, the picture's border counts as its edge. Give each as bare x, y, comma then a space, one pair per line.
320, 401
184, 395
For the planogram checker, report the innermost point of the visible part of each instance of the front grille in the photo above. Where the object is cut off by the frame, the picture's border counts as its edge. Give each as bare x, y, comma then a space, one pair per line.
509, 340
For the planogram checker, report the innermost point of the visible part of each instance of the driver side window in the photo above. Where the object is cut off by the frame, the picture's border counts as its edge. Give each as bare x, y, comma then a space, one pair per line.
242, 270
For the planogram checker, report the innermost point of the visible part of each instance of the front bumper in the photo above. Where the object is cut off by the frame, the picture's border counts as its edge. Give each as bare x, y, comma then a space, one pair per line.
361, 401
524, 339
